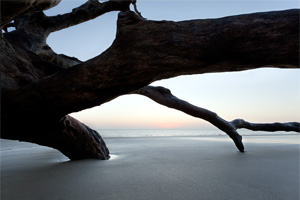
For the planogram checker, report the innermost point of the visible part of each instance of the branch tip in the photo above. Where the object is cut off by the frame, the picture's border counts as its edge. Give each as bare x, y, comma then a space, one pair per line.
136, 10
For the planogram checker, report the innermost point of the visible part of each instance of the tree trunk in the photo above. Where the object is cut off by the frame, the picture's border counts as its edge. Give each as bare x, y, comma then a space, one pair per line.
40, 88
71, 137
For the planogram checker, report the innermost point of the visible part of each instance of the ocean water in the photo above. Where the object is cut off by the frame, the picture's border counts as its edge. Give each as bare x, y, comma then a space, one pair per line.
178, 132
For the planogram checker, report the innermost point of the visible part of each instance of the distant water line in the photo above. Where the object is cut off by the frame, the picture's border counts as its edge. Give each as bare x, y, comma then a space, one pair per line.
177, 132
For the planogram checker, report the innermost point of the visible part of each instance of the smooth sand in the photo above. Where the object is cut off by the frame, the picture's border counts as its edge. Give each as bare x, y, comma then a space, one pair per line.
206, 168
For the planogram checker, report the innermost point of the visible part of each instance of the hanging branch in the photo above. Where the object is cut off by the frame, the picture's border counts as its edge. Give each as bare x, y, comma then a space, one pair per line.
164, 97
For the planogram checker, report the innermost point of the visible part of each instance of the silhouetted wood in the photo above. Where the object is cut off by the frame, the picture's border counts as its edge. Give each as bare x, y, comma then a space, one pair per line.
164, 97
40, 88
270, 127
12, 9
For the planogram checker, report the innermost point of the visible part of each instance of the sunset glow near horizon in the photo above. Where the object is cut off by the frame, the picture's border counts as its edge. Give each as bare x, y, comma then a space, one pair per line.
261, 95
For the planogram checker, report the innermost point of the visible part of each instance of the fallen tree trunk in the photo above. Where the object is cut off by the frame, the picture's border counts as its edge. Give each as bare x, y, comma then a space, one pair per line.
39, 93
190, 47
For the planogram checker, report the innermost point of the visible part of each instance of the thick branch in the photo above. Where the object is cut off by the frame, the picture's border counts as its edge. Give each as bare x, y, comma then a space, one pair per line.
145, 51
32, 30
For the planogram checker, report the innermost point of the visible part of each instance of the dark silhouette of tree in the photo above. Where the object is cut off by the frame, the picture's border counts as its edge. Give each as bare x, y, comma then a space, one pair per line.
39, 87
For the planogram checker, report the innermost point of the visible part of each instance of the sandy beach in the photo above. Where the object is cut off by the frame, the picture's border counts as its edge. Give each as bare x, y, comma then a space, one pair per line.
205, 168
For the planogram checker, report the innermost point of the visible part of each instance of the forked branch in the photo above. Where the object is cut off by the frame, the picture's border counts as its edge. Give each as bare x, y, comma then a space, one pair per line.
164, 97
136, 10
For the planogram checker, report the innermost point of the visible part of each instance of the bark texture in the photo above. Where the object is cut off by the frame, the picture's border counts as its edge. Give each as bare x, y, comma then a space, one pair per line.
27, 59
167, 49
12, 9
40, 88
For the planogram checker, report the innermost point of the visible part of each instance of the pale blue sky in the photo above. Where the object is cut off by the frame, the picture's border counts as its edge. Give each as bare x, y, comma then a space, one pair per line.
263, 95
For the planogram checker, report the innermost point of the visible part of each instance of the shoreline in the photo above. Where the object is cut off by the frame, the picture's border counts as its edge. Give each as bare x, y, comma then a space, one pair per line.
206, 168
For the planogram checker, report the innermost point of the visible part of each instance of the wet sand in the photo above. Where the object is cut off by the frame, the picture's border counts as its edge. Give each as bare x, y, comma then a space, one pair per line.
159, 168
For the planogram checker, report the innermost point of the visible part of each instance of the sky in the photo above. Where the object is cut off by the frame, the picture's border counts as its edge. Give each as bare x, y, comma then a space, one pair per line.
261, 95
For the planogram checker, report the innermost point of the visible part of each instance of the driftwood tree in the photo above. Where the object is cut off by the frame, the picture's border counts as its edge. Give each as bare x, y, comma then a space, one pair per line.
39, 88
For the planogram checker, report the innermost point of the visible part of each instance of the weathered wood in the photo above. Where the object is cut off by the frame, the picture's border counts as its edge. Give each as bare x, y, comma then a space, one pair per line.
164, 97
26, 59
12, 9
39, 89
270, 127
71, 137
167, 49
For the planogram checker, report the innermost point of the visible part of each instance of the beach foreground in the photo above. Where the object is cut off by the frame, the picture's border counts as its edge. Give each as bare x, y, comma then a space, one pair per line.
157, 168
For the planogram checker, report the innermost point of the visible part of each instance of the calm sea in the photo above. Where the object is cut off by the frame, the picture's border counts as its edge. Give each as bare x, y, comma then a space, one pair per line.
176, 132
